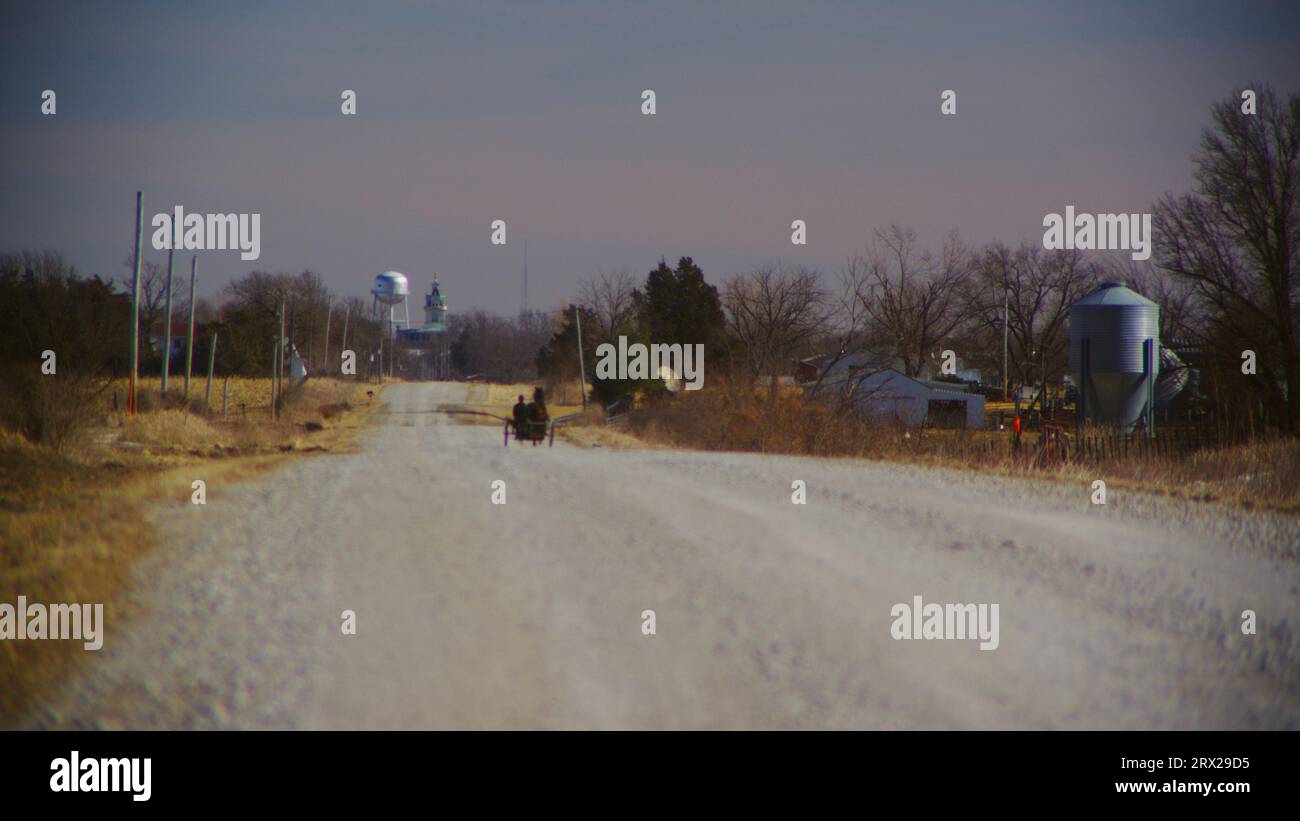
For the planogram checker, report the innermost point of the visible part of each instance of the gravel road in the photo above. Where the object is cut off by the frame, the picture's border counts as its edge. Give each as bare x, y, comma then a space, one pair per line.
768, 614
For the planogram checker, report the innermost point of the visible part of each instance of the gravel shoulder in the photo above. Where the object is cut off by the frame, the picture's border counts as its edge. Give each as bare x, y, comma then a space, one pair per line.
768, 614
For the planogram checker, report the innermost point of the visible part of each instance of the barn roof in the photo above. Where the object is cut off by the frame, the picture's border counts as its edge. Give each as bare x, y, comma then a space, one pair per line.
894, 376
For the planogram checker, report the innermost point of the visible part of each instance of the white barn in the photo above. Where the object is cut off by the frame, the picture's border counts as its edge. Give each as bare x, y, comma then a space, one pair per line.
888, 396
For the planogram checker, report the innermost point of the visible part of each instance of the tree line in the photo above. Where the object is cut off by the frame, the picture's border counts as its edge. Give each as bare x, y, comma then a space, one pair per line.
47, 304
1223, 272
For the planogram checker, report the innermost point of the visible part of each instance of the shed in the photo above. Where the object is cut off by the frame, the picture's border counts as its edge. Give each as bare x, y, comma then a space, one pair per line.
887, 395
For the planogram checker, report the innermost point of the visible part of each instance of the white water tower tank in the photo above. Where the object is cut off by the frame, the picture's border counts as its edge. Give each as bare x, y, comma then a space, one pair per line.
390, 288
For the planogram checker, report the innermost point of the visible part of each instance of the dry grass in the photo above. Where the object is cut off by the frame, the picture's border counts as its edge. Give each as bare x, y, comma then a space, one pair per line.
246, 397
595, 436
247, 428
1262, 475
565, 392
500, 400
71, 523
589, 430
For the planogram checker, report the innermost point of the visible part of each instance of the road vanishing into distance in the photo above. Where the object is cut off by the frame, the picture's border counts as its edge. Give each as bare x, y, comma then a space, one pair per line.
767, 614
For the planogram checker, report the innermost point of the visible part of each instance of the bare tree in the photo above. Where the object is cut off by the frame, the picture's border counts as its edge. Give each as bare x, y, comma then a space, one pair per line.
309, 301
610, 296
1035, 288
845, 328
913, 298
1236, 240
261, 291
773, 313
153, 297
496, 347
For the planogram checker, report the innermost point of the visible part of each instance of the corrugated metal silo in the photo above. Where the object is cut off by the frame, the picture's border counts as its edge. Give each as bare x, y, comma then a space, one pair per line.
1115, 356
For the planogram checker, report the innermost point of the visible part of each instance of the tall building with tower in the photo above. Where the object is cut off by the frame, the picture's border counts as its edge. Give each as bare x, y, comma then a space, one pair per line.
429, 340
435, 309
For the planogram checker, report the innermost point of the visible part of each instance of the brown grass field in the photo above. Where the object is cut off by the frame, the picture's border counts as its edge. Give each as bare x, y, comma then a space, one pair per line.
1261, 475
71, 522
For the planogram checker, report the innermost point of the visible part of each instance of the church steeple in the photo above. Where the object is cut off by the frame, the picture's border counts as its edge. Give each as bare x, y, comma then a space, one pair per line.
435, 306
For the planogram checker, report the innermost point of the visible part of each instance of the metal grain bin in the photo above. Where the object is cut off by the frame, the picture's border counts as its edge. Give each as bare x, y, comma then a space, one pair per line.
1115, 356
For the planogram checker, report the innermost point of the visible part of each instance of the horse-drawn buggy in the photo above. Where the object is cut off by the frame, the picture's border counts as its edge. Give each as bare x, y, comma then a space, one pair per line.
530, 430
530, 421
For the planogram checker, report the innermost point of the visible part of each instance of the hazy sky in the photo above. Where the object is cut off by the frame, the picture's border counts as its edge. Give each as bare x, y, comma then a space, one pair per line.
531, 113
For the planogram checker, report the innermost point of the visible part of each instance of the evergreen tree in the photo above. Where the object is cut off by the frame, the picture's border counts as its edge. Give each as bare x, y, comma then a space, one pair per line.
678, 306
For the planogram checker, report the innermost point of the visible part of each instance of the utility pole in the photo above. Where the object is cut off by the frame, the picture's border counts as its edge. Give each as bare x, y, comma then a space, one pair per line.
347, 309
189, 340
1006, 302
582, 366
525, 276
329, 313
212, 360
1043, 358
293, 334
275, 361
135, 305
167, 334
279, 364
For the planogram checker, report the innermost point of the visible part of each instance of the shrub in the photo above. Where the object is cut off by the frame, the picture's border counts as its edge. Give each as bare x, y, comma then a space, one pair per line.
51, 410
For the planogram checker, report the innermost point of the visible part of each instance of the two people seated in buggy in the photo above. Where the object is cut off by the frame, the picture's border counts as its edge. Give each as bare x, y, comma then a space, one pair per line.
533, 412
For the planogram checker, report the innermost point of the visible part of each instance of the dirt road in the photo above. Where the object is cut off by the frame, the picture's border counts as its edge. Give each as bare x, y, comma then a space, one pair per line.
767, 613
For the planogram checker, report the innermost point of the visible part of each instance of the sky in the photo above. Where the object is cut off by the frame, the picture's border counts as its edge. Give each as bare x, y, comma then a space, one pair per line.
530, 113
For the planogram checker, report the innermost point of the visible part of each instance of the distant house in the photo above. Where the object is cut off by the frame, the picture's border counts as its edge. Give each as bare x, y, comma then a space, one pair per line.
180, 330
888, 396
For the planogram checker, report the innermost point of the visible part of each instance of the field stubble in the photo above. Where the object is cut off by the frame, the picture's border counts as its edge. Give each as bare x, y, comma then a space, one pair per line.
73, 520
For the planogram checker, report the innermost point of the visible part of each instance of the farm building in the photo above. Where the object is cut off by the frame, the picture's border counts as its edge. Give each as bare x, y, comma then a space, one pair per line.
828, 366
887, 395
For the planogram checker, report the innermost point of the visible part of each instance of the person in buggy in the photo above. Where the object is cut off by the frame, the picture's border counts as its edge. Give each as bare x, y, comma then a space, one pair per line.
521, 416
537, 409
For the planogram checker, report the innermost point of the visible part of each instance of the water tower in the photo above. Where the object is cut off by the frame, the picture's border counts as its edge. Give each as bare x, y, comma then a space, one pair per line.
391, 289
1115, 357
